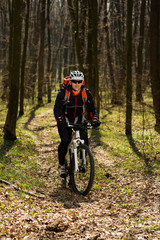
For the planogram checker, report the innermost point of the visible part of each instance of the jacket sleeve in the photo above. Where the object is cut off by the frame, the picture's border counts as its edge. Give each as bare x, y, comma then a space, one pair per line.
91, 106
58, 107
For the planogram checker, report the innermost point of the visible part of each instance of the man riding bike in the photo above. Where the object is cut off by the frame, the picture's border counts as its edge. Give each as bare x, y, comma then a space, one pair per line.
69, 108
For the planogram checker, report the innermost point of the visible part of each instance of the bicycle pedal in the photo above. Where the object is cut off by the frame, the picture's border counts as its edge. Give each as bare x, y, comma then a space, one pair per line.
82, 169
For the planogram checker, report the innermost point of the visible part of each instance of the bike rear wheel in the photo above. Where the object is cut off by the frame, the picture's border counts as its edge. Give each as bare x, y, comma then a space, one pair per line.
82, 180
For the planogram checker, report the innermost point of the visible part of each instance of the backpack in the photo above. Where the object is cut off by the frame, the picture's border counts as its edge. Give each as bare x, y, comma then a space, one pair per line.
68, 92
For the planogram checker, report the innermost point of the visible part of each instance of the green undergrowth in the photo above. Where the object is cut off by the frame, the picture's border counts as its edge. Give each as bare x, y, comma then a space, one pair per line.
18, 164
139, 152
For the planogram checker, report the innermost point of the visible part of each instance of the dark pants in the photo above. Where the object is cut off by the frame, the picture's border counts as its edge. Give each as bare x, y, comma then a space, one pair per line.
66, 137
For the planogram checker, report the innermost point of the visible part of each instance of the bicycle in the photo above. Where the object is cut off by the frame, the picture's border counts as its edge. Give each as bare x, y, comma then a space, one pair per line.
79, 162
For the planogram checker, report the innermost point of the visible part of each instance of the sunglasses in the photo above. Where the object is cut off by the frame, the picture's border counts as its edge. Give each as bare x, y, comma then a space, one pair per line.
77, 81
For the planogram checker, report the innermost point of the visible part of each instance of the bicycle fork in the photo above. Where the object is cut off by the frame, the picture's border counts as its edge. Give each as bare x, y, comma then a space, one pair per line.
76, 142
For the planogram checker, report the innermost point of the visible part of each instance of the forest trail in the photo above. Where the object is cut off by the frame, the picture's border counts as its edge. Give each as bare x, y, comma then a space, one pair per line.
124, 204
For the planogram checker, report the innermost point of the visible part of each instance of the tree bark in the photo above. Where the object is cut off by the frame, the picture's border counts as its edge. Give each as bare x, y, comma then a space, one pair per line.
41, 54
14, 70
155, 57
73, 10
129, 69
33, 50
49, 53
139, 96
4, 59
120, 6
92, 54
23, 64
109, 57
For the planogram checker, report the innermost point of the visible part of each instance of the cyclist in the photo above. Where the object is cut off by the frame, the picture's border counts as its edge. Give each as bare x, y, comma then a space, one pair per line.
72, 111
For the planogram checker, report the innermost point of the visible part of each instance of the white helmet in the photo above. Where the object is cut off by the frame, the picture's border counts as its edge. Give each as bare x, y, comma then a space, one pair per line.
76, 75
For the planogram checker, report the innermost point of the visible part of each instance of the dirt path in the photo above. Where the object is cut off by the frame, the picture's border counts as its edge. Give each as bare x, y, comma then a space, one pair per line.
123, 205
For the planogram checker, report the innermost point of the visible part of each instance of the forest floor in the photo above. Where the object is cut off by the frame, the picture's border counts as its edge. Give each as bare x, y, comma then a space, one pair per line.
123, 204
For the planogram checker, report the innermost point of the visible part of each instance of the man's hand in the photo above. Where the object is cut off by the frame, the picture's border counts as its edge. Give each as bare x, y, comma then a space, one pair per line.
96, 123
61, 123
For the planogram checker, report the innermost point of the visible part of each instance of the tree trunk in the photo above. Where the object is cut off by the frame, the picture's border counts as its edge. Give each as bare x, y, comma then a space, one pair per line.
49, 54
21, 112
92, 55
41, 54
109, 58
95, 57
33, 50
129, 69
75, 26
66, 51
4, 60
14, 70
155, 57
121, 52
139, 96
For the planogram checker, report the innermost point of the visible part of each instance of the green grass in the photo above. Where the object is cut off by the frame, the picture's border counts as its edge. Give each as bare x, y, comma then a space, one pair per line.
17, 162
140, 153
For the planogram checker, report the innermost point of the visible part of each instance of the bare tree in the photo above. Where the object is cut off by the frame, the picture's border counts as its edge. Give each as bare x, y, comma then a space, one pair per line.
49, 53
33, 47
41, 53
109, 55
92, 53
73, 7
129, 68
14, 70
155, 57
21, 111
4, 48
139, 96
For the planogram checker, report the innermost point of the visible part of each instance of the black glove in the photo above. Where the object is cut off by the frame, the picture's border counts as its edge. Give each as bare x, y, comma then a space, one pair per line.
96, 123
61, 123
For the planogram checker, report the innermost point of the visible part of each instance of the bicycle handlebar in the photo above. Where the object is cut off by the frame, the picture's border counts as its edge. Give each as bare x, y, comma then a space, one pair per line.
80, 125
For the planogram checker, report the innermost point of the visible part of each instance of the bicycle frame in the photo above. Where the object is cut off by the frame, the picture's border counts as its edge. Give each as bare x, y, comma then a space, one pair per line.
75, 143
81, 166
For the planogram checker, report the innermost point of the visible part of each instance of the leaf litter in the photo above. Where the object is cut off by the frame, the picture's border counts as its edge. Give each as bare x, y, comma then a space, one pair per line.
122, 204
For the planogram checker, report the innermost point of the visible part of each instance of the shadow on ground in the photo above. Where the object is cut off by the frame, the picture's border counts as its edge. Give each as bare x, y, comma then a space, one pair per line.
32, 115
139, 154
68, 198
157, 129
5, 147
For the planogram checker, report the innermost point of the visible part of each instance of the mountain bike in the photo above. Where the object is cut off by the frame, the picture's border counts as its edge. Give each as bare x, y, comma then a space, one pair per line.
79, 161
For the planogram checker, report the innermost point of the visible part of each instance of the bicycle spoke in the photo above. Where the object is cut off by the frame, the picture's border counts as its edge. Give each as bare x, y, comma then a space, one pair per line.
83, 179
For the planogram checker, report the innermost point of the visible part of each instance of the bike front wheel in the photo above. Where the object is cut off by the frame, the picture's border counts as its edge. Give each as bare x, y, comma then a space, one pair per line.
82, 180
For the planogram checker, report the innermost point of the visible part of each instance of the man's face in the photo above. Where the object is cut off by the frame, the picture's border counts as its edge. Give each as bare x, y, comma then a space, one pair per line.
76, 85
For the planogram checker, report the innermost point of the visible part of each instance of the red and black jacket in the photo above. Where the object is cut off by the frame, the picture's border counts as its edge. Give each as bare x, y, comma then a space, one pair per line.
75, 106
